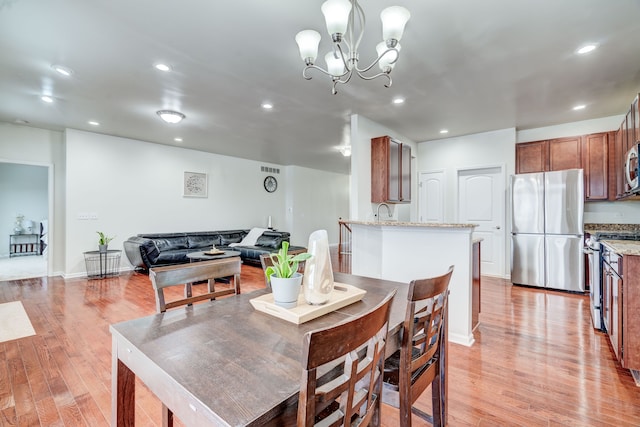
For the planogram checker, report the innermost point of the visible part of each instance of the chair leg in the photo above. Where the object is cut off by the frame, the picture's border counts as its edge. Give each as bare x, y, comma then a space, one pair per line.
167, 417
437, 401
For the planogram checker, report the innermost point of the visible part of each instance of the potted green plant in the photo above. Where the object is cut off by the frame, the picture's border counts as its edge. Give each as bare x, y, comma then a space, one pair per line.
103, 241
284, 277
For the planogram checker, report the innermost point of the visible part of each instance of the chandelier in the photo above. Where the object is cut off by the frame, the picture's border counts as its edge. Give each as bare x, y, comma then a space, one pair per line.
341, 17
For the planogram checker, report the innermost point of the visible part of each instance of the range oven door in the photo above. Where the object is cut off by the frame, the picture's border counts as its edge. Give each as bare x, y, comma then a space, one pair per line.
632, 184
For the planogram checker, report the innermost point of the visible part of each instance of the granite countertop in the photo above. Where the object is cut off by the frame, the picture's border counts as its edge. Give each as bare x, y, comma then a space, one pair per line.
623, 247
600, 228
411, 224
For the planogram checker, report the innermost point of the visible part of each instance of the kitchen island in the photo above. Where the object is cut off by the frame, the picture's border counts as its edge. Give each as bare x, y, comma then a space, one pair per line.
404, 251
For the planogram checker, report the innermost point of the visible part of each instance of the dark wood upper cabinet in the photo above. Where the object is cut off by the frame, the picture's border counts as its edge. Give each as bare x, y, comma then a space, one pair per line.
616, 162
636, 119
565, 153
390, 171
630, 134
595, 161
532, 157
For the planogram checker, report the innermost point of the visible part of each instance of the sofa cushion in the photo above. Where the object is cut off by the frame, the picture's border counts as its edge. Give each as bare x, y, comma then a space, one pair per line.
227, 238
266, 241
171, 243
202, 240
173, 257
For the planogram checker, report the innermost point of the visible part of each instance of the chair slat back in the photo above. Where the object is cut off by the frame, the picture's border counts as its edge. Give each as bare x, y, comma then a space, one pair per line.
186, 274
342, 370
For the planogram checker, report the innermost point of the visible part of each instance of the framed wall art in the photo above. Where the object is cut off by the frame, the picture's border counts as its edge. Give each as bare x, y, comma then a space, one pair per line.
195, 184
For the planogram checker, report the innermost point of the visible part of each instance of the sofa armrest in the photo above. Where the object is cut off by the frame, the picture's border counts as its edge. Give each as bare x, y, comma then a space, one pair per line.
132, 250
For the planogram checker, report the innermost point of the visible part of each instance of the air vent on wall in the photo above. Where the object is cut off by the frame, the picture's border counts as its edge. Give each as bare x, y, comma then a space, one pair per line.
269, 169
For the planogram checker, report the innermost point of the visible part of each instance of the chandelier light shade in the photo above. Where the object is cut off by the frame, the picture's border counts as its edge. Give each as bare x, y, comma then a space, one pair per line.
394, 19
344, 19
171, 116
336, 15
308, 41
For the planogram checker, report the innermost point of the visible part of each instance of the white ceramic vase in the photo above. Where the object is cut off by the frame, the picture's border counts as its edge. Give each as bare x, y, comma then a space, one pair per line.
318, 274
286, 290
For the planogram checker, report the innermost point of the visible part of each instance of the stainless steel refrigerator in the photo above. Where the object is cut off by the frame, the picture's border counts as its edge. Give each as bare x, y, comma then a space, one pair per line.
547, 230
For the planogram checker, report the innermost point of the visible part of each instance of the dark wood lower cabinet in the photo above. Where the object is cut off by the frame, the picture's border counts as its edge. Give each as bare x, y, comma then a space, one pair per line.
475, 284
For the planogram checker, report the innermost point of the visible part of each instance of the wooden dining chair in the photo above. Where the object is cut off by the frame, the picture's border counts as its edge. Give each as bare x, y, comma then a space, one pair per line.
185, 275
342, 371
421, 360
265, 261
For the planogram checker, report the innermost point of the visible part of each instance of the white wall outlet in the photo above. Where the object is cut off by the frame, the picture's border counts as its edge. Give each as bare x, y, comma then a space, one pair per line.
93, 215
82, 215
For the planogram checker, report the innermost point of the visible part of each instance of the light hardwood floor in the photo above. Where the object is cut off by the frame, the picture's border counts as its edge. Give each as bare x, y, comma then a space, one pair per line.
536, 361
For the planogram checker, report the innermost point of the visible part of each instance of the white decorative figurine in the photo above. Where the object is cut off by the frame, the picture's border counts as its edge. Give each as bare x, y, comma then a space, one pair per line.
318, 274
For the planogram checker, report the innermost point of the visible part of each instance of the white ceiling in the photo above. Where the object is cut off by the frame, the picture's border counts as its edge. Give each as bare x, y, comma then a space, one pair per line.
466, 65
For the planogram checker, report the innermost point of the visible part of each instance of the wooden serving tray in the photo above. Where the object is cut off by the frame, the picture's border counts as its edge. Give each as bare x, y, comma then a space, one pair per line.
341, 296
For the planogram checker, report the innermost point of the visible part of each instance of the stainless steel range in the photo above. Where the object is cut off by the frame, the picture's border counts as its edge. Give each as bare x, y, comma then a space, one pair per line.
593, 251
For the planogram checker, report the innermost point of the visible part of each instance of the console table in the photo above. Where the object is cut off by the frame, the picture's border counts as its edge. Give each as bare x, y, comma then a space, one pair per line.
24, 244
102, 264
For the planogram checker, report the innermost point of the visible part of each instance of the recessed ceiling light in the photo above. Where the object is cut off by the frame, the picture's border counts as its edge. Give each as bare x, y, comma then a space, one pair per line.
586, 49
61, 69
267, 105
171, 116
93, 123
47, 99
177, 139
444, 131
579, 107
398, 100
162, 67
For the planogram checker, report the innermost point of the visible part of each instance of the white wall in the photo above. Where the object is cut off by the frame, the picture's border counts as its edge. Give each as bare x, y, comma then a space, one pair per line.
32, 146
486, 149
585, 127
361, 208
315, 201
23, 190
136, 187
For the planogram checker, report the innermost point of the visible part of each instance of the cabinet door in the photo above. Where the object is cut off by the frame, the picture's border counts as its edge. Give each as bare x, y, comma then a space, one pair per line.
618, 159
630, 130
565, 153
606, 296
532, 157
615, 332
596, 168
379, 169
393, 167
636, 119
405, 170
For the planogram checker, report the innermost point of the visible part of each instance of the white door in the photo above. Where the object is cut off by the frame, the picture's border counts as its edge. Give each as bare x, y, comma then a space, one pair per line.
431, 197
481, 200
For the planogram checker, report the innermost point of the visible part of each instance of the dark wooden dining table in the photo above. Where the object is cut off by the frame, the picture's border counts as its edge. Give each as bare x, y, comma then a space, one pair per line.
224, 363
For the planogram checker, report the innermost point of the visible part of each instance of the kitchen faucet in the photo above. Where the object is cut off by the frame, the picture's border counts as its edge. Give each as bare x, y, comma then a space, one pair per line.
378, 210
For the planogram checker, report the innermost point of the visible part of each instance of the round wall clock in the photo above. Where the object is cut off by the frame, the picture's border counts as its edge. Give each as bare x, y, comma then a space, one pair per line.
270, 184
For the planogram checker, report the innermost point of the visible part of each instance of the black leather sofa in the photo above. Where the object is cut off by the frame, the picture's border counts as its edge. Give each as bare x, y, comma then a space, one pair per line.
145, 251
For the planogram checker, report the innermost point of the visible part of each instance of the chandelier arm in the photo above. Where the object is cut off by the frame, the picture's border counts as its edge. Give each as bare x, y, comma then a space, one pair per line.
357, 8
308, 67
376, 76
364, 70
346, 64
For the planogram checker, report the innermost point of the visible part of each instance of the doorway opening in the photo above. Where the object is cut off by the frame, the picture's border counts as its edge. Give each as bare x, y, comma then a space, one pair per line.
25, 214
